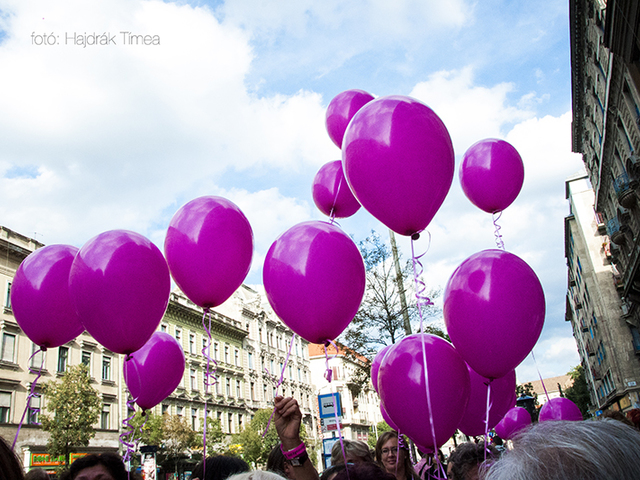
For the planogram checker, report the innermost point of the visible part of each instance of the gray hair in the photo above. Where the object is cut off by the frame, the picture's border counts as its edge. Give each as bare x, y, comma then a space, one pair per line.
256, 475
355, 448
561, 450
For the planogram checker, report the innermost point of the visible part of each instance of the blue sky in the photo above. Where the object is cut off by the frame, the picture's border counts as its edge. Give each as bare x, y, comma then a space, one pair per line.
232, 103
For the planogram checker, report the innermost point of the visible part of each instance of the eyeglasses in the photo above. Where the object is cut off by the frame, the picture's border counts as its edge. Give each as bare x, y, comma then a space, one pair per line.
387, 451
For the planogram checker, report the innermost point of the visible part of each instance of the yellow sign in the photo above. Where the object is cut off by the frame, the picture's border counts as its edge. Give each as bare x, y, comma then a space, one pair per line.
625, 403
45, 460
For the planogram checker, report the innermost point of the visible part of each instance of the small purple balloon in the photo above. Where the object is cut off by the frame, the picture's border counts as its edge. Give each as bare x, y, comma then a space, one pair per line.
331, 192
209, 245
40, 297
314, 278
120, 284
514, 420
398, 159
560, 409
494, 311
402, 388
341, 110
503, 397
153, 372
492, 174
375, 366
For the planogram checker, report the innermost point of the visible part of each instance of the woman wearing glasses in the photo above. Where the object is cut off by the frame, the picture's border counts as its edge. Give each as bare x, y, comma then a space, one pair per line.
392, 454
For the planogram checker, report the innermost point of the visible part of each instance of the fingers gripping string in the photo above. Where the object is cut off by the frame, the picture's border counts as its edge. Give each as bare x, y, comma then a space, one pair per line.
278, 382
496, 233
32, 393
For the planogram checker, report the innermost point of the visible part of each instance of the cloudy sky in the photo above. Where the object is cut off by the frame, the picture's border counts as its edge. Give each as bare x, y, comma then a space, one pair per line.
232, 103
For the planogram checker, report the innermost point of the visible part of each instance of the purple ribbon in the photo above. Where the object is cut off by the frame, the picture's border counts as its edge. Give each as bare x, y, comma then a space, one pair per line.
209, 379
499, 242
32, 393
540, 375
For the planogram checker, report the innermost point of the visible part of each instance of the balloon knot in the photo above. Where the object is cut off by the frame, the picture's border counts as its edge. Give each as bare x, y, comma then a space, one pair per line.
44, 349
415, 236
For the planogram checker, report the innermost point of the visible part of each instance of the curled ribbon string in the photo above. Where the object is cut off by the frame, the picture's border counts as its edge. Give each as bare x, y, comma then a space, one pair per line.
128, 429
496, 232
540, 375
32, 393
421, 297
280, 382
421, 302
328, 373
209, 379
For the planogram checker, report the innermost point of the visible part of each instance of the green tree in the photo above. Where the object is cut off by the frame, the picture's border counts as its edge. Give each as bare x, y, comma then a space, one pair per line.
73, 407
216, 438
381, 428
152, 428
578, 392
178, 436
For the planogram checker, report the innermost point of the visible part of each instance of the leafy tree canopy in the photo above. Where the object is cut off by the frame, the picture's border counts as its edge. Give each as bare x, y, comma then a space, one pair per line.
578, 392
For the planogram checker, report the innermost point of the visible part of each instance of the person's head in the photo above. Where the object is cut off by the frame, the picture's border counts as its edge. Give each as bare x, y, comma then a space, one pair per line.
106, 466
391, 450
10, 466
364, 471
256, 475
616, 415
36, 474
465, 460
634, 417
331, 472
355, 451
219, 467
563, 450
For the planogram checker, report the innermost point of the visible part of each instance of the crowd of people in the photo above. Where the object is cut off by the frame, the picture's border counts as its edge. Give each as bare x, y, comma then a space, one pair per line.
604, 449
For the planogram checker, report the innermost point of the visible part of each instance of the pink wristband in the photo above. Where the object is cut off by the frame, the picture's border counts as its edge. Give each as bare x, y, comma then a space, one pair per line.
294, 452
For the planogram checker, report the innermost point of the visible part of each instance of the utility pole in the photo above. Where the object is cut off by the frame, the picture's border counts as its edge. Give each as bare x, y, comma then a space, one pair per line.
400, 283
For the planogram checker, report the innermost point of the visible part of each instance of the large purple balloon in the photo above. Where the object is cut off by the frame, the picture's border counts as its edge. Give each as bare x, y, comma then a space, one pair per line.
153, 372
209, 245
341, 110
120, 284
331, 193
514, 420
502, 398
375, 366
401, 384
560, 409
491, 174
40, 297
314, 278
398, 159
387, 418
494, 311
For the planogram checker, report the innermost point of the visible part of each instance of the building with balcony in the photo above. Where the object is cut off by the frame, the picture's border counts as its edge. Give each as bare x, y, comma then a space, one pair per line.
249, 345
606, 335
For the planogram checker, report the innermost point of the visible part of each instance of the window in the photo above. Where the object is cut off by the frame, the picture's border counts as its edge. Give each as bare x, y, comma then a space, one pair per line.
37, 359
250, 358
236, 359
194, 381
297, 353
228, 387
165, 409
192, 343
63, 355
260, 334
226, 354
86, 359
194, 418
34, 410
215, 352
106, 367
7, 298
239, 422
230, 417
5, 407
179, 335
238, 394
8, 347
179, 410
104, 416
253, 391
299, 375
163, 328
264, 391
290, 372
271, 363
217, 386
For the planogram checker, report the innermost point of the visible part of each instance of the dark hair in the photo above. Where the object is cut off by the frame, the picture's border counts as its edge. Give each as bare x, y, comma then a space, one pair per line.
363, 471
220, 467
333, 469
111, 461
468, 456
616, 415
36, 474
10, 466
384, 438
276, 461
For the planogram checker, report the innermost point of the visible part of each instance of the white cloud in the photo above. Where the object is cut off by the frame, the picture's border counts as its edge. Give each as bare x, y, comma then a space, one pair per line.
552, 356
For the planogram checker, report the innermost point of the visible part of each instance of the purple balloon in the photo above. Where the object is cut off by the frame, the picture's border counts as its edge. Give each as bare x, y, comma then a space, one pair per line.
375, 366
153, 372
331, 192
492, 174
401, 384
209, 245
40, 297
314, 279
560, 409
120, 284
387, 418
341, 110
494, 311
398, 159
514, 420
502, 398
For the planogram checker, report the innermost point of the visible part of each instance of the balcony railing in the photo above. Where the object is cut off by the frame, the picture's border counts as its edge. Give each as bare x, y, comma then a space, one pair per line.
624, 192
616, 231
